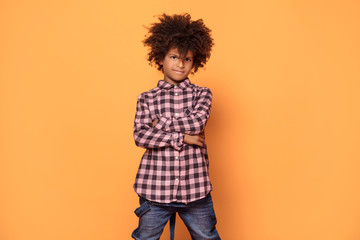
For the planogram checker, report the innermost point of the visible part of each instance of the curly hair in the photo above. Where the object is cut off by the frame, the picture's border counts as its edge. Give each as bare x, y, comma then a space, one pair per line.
179, 31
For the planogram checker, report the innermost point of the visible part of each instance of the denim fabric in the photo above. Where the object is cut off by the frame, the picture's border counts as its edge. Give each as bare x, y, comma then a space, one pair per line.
198, 216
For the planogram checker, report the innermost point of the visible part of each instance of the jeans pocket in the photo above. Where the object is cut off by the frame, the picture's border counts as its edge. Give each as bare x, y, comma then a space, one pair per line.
144, 208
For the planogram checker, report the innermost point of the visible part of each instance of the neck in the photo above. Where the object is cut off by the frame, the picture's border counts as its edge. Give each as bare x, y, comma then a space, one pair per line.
174, 82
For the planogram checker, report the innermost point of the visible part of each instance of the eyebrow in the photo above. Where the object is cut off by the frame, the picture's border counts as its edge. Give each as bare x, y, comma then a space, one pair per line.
176, 55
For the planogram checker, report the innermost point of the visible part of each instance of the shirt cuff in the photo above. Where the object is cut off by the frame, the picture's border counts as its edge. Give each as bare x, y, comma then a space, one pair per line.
177, 140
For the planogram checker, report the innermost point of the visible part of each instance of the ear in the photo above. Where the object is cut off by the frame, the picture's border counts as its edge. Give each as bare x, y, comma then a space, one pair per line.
161, 62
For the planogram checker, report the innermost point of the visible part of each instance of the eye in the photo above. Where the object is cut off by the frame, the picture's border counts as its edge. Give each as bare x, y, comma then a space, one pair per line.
173, 57
188, 59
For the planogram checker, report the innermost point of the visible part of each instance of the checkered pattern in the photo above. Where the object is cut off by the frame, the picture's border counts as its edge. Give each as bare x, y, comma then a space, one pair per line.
171, 170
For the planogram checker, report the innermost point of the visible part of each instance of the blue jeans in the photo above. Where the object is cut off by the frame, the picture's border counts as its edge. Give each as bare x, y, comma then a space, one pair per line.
198, 216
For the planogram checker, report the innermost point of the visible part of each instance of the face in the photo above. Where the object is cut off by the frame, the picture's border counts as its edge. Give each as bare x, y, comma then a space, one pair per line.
175, 68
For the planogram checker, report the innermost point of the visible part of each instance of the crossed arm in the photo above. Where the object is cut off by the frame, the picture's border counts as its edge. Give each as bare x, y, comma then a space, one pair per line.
173, 132
190, 139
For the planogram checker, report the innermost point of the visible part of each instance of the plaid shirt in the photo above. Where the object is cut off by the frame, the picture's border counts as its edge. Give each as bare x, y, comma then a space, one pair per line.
171, 170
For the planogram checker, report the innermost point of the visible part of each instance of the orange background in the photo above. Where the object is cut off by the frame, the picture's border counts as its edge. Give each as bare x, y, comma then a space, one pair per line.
283, 135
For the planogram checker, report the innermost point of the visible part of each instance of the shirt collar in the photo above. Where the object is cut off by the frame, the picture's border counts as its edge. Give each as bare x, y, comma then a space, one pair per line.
165, 85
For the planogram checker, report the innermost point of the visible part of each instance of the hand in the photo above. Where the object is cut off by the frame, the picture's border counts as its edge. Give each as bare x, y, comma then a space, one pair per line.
154, 122
195, 139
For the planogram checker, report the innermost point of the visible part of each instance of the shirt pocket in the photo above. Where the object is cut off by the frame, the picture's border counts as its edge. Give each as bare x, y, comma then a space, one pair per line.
163, 107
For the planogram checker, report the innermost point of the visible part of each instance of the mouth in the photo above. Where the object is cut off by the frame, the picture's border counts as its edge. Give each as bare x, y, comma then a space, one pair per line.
179, 72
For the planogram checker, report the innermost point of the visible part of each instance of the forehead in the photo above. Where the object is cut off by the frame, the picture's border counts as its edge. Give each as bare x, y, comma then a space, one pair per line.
175, 51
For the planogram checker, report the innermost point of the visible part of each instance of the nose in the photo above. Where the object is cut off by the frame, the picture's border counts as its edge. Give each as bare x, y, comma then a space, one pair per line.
180, 63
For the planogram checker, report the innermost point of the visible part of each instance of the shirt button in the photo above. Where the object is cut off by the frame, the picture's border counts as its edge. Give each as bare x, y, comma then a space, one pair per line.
176, 94
176, 114
175, 86
177, 179
176, 157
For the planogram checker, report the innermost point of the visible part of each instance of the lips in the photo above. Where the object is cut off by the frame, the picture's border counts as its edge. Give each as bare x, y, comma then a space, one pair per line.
180, 72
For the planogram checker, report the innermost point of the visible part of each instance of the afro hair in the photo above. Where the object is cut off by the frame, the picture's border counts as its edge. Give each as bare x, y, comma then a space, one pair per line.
179, 31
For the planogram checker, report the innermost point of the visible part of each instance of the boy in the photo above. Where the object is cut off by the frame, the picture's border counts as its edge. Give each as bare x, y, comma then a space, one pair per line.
170, 120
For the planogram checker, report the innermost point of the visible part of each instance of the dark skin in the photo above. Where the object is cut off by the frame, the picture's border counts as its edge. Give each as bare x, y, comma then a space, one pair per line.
190, 139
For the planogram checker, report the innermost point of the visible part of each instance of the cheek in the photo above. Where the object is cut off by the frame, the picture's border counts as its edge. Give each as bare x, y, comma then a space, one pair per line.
190, 65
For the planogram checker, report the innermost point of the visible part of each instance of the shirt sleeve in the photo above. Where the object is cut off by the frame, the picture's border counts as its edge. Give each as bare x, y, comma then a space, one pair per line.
146, 136
193, 122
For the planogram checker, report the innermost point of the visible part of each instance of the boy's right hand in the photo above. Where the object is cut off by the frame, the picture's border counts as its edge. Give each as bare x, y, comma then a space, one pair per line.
195, 139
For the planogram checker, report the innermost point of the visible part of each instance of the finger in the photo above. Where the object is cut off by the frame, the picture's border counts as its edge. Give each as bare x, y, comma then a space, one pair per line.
154, 122
199, 143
